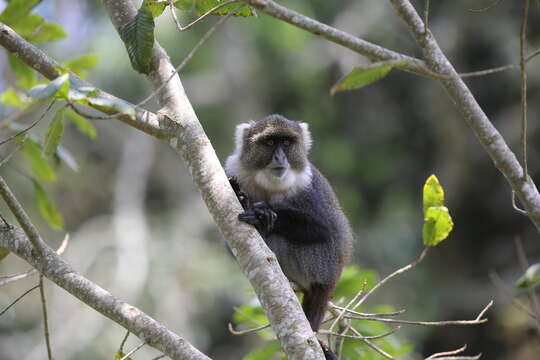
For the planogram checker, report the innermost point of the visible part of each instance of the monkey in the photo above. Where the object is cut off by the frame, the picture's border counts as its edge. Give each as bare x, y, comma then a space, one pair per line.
293, 207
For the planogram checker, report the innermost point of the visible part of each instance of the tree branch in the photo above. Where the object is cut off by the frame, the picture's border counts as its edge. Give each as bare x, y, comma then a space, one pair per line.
62, 274
492, 141
146, 121
257, 261
340, 37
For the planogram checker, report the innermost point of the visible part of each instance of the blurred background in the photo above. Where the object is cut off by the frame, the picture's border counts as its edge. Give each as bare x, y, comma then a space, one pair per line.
138, 225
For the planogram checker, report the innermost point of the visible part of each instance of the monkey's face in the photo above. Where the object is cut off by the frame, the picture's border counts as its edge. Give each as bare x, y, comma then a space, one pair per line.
276, 150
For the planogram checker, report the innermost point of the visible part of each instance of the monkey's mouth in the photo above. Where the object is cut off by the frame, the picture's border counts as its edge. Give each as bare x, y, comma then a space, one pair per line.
278, 171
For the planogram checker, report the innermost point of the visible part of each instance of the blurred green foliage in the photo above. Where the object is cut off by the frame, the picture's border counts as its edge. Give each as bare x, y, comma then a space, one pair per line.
376, 145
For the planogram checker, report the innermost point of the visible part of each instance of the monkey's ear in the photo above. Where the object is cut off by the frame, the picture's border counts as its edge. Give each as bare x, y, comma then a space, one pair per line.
239, 135
306, 134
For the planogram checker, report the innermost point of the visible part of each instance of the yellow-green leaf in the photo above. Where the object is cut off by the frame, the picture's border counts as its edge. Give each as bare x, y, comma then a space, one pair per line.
48, 32
11, 97
156, 7
47, 208
39, 166
365, 75
437, 225
530, 278
82, 123
203, 6
119, 355
81, 64
433, 193
54, 133
16, 10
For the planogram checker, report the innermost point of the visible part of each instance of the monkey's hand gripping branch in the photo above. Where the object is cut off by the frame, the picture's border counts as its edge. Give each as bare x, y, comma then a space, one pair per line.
258, 214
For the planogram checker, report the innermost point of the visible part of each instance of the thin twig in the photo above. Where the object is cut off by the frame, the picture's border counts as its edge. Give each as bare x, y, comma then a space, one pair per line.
395, 273
474, 357
45, 320
351, 303
133, 351
522, 40
121, 348
393, 313
373, 345
499, 284
476, 321
17, 299
17, 115
22, 275
445, 353
21, 216
8, 157
159, 357
500, 68
489, 7
247, 331
361, 337
426, 16
202, 17
179, 68
30, 127
514, 205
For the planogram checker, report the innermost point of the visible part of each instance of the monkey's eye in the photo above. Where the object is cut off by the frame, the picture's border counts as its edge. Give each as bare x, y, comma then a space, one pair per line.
269, 142
286, 142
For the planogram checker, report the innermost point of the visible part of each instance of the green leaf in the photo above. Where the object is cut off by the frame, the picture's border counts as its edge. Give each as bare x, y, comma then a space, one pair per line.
82, 123
58, 88
54, 133
39, 166
156, 7
47, 208
119, 355
437, 225
250, 316
433, 194
268, 351
81, 64
530, 278
16, 10
365, 75
115, 105
11, 97
28, 25
138, 37
25, 75
48, 32
203, 6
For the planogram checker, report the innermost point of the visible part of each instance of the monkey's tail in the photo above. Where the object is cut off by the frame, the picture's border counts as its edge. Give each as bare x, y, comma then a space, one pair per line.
328, 354
315, 303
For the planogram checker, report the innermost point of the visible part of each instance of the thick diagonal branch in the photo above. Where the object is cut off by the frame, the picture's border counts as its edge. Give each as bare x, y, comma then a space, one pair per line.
155, 125
62, 274
492, 141
340, 37
257, 261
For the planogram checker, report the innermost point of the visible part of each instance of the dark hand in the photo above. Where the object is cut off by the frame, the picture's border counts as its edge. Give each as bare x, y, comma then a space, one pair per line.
259, 215
242, 197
